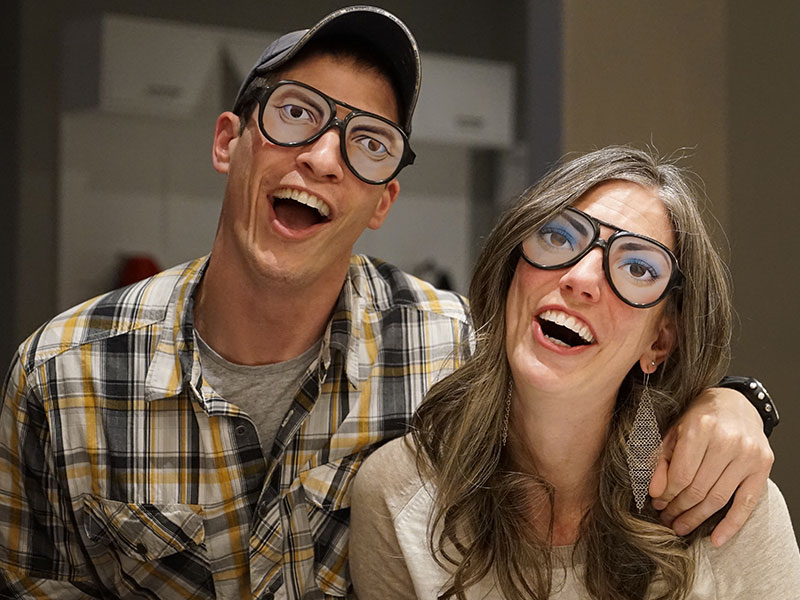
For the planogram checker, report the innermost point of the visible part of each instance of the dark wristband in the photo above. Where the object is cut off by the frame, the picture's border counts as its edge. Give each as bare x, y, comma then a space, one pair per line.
757, 394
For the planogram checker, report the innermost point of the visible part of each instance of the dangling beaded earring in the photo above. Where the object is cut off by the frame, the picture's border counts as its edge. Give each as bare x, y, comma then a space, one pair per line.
644, 445
507, 411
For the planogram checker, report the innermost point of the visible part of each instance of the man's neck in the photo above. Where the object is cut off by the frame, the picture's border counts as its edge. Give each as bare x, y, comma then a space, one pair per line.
252, 322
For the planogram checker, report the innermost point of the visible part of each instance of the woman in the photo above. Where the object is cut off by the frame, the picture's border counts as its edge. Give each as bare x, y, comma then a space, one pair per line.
526, 477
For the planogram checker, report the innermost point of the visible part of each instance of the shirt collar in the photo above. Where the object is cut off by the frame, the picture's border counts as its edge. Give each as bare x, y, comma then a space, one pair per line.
176, 360
358, 299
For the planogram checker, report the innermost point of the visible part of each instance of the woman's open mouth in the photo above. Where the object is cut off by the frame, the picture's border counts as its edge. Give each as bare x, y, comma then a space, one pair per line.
564, 330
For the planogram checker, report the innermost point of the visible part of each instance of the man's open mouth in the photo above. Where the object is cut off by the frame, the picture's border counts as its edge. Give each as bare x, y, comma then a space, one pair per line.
298, 210
564, 330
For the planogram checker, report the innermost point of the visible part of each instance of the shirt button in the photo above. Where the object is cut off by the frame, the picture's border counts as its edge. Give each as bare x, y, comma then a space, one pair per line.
241, 430
141, 548
263, 509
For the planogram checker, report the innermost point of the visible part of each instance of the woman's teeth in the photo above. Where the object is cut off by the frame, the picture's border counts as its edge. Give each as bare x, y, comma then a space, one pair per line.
570, 322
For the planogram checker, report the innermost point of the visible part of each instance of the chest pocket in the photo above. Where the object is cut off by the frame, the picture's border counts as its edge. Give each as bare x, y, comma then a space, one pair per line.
160, 547
145, 531
327, 490
327, 486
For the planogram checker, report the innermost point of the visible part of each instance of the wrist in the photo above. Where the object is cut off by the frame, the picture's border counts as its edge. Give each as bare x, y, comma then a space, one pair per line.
757, 395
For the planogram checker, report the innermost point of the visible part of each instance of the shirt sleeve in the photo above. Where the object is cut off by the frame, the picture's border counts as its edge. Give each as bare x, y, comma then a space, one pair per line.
762, 560
36, 544
377, 565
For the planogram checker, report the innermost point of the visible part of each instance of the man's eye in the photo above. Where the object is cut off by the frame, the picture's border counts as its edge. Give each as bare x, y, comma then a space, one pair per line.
372, 147
296, 113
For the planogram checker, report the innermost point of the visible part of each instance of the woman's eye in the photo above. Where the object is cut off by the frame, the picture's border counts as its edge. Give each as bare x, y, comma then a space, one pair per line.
637, 270
640, 270
556, 239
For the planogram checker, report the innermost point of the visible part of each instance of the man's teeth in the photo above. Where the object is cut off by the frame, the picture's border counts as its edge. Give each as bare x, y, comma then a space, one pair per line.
305, 198
570, 322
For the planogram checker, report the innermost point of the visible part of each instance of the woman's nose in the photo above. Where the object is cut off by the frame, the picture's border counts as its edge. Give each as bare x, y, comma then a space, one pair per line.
585, 278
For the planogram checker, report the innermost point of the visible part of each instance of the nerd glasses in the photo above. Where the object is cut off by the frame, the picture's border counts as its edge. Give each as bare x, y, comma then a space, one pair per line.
640, 270
374, 148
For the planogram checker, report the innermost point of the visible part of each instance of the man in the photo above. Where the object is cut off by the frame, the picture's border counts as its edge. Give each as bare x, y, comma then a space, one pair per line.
195, 435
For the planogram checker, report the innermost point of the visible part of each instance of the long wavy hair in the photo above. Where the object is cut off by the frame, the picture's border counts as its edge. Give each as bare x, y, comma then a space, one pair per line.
482, 502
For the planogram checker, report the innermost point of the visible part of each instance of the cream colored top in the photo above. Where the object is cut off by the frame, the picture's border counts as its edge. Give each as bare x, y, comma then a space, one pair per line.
390, 557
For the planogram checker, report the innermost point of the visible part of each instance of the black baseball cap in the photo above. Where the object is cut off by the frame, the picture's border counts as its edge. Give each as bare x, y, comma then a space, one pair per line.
381, 29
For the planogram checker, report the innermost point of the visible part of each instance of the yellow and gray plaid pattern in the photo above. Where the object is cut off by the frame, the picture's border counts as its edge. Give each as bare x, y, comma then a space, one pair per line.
124, 475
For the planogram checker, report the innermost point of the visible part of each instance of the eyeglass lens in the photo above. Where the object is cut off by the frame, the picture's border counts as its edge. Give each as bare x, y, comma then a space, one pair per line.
294, 114
639, 269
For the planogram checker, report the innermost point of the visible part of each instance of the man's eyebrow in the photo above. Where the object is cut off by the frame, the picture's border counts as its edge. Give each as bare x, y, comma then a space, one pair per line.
304, 96
375, 127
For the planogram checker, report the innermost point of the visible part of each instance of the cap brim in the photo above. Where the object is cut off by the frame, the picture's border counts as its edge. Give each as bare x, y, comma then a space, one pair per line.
376, 26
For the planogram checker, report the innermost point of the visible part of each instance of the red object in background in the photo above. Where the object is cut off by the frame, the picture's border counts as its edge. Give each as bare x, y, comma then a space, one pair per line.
135, 268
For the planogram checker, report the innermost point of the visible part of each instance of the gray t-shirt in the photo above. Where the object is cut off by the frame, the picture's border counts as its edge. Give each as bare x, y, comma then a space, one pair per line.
264, 392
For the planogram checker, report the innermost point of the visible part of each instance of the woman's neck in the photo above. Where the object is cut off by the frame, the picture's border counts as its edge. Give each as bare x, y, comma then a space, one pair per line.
560, 440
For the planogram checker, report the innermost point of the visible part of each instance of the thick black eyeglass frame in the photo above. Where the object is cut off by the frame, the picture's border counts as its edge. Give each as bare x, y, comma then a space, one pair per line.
406, 159
676, 277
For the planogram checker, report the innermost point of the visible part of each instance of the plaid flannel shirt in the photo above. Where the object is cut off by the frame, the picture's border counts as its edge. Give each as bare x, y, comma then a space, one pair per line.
123, 474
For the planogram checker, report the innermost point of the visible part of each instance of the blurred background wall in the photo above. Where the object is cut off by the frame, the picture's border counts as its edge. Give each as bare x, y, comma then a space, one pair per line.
717, 79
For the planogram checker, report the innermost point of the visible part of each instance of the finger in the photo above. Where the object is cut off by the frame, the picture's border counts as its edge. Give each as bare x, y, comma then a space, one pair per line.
658, 482
745, 500
716, 498
687, 456
707, 479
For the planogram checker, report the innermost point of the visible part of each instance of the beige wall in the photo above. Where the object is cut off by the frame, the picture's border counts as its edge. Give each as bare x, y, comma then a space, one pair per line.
649, 72
721, 79
764, 185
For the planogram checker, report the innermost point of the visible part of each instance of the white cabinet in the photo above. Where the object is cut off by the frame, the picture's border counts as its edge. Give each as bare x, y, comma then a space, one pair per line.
131, 65
464, 101
137, 66
242, 49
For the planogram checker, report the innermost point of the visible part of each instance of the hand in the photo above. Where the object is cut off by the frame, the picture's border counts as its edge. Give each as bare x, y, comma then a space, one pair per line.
717, 448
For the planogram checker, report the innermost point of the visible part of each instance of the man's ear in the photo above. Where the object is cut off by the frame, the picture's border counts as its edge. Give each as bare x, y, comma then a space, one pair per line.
666, 335
388, 196
226, 135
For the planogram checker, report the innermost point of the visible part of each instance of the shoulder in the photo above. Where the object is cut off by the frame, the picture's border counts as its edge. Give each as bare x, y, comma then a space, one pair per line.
761, 558
390, 535
388, 477
388, 552
769, 522
108, 315
386, 287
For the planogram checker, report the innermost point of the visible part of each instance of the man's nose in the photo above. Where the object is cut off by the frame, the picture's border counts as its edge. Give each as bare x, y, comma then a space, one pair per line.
323, 156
